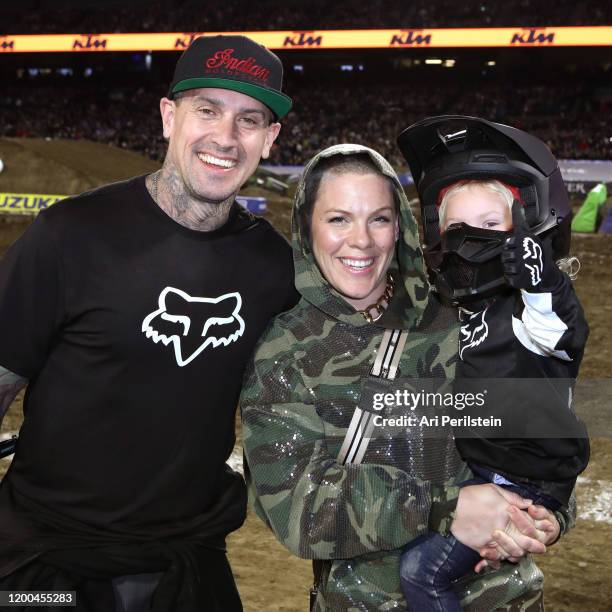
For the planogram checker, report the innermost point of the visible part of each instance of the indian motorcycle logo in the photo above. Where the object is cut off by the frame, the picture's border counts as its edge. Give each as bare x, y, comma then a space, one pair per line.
192, 324
225, 61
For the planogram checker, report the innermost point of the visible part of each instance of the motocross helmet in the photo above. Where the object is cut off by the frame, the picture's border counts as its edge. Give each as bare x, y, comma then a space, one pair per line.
465, 263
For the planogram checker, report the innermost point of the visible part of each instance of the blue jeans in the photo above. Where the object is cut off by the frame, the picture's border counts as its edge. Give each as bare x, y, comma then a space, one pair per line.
429, 564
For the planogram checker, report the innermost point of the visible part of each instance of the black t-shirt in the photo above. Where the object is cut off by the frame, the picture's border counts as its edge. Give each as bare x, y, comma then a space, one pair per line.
134, 332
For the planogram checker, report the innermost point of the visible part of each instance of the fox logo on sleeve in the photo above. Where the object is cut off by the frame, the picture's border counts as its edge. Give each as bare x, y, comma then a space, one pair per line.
532, 255
191, 324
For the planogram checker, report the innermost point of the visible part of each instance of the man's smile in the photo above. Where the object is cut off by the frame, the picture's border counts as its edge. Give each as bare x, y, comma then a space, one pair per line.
218, 162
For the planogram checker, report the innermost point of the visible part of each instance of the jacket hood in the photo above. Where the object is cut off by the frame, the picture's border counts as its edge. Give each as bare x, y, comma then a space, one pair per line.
411, 286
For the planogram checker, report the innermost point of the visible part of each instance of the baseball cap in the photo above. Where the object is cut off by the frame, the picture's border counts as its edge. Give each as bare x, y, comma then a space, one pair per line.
232, 62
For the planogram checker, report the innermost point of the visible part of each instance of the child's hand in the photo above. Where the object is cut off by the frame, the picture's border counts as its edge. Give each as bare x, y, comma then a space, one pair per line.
545, 521
528, 263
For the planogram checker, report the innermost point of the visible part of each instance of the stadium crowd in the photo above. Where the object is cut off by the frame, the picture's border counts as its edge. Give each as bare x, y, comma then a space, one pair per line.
62, 16
574, 123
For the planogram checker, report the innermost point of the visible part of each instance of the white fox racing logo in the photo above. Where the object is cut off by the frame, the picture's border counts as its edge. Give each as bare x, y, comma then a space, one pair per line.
474, 332
533, 251
185, 322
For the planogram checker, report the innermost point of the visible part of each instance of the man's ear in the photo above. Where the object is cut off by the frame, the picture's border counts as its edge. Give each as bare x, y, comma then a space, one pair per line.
272, 133
167, 109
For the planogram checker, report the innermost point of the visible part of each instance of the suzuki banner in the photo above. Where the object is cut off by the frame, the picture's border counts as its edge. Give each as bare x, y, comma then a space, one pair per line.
32, 204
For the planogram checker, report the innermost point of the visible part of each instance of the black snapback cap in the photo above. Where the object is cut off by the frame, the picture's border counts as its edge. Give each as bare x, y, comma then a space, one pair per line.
232, 62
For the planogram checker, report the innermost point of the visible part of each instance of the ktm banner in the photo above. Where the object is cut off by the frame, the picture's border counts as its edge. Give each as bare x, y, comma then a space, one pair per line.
320, 39
33, 203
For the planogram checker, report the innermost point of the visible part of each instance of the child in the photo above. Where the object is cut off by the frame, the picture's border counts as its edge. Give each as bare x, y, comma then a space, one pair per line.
546, 340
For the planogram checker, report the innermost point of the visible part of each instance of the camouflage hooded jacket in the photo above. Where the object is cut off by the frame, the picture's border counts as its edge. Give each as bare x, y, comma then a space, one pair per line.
298, 399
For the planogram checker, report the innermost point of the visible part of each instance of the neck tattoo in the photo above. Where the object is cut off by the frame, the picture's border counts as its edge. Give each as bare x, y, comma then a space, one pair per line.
170, 195
154, 179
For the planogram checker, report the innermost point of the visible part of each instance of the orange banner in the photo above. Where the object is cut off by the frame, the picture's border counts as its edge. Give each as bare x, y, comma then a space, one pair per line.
320, 39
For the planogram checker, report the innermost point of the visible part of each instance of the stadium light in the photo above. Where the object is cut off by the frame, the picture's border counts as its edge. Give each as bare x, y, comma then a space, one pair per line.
491, 63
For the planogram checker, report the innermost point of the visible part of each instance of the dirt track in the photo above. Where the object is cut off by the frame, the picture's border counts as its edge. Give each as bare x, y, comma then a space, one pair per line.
577, 569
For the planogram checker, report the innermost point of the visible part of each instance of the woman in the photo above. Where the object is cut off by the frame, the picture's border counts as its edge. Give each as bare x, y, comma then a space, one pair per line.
355, 500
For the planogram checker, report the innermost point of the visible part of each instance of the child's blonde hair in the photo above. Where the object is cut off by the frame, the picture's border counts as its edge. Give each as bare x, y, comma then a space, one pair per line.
494, 187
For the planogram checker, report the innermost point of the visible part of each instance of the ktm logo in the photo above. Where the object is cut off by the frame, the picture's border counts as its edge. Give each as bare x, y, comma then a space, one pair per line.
192, 324
474, 332
185, 41
7, 45
412, 37
303, 40
89, 42
531, 37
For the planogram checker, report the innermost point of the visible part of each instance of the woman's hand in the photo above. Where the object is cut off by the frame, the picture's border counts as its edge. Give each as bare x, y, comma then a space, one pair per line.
484, 509
537, 522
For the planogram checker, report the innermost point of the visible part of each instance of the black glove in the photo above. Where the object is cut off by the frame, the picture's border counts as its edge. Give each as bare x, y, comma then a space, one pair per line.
528, 262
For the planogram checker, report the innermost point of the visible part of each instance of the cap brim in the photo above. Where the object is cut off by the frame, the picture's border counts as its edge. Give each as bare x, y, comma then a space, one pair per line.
278, 103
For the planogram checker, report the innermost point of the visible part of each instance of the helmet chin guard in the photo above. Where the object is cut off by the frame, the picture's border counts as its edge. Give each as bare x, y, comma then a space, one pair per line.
466, 263
443, 150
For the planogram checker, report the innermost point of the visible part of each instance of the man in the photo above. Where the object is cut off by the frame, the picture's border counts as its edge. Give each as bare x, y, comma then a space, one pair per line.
130, 311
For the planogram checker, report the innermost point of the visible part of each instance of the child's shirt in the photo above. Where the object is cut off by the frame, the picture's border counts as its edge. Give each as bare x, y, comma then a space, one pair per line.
526, 335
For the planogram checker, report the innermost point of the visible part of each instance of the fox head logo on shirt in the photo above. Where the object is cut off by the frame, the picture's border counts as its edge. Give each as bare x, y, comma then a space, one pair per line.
191, 324
474, 331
